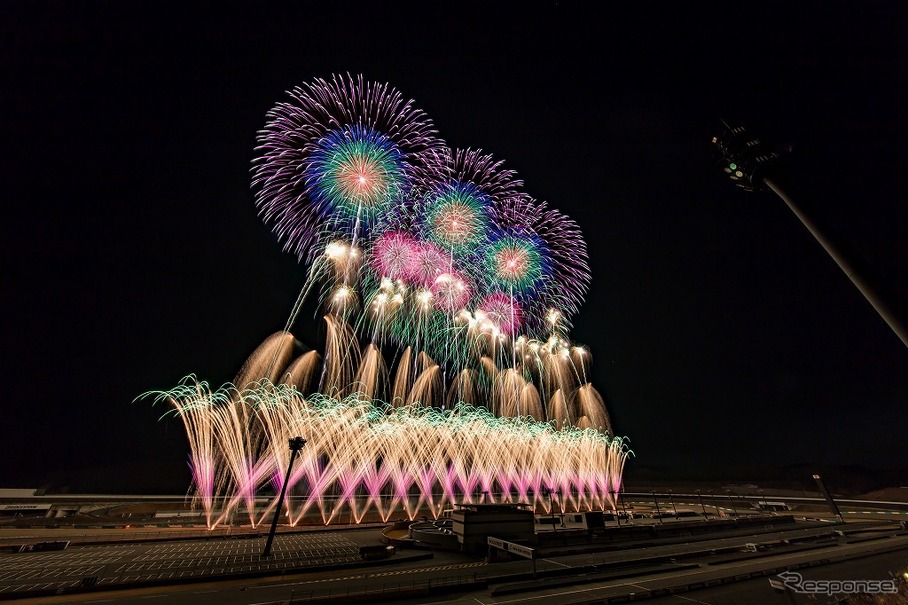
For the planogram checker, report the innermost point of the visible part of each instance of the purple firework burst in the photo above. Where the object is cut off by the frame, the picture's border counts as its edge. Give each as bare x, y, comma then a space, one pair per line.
456, 197
568, 260
566, 272
471, 167
370, 123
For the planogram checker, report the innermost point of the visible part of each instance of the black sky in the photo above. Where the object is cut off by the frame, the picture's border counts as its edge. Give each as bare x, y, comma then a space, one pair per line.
722, 334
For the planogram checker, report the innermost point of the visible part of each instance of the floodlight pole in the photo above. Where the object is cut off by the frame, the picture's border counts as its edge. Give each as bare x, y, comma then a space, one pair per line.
847, 261
296, 444
716, 504
615, 506
733, 507
627, 518
832, 505
753, 167
658, 512
560, 493
552, 508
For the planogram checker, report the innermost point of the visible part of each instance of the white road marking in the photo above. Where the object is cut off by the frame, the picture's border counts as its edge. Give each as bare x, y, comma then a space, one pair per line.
691, 600
555, 562
359, 577
373, 575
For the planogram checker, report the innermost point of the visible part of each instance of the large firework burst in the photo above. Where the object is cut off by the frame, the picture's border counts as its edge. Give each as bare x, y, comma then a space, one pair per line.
315, 147
565, 271
355, 174
516, 262
457, 196
455, 216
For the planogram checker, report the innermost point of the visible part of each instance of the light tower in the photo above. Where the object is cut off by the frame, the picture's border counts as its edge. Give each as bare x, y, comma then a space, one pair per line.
752, 167
296, 444
832, 505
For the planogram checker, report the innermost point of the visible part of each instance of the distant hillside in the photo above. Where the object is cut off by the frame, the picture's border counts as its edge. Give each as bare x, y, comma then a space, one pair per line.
844, 480
889, 494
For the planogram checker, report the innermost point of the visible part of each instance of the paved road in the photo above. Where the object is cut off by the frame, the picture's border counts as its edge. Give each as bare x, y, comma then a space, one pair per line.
193, 559
200, 559
263, 590
664, 580
143, 562
758, 591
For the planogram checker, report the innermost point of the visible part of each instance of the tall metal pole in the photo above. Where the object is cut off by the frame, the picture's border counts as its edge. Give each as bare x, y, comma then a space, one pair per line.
658, 512
703, 508
615, 507
733, 507
551, 493
296, 444
561, 505
832, 505
751, 166
627, 517
850, 264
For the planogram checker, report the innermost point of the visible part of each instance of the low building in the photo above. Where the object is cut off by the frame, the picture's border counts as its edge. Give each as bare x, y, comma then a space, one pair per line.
474, 523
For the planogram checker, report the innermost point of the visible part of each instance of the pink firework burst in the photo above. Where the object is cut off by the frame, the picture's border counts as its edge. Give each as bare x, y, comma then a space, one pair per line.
430, 262
450, 291
502, 312
394, 254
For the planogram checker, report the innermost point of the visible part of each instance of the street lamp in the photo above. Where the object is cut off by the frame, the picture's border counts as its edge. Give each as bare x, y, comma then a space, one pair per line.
550, 493
615, 506
627, 517
296, 444
560, 505
832, 505
733, 507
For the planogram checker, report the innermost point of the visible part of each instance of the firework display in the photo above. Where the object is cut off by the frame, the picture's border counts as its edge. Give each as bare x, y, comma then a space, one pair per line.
367, 459
447, 293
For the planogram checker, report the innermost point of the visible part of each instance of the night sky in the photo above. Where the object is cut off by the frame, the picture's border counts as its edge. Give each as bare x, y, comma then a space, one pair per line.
723, 336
